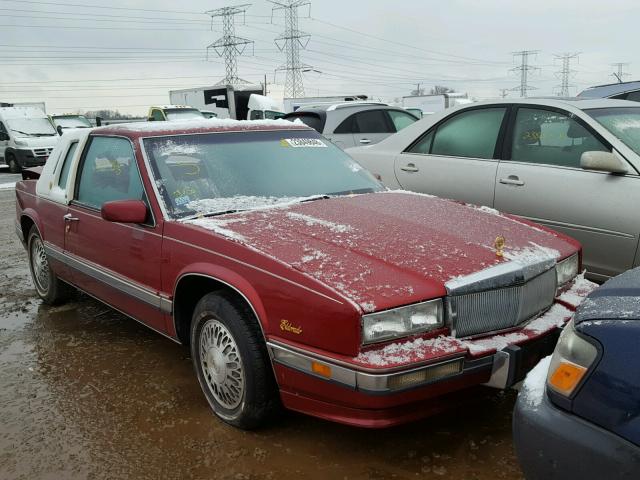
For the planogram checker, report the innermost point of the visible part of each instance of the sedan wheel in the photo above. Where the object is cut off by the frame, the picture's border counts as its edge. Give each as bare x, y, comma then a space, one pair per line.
48, 286
231, 362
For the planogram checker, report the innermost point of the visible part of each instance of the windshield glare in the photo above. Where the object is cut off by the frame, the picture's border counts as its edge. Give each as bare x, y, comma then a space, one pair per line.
72, 122
183, 114
624, 123
28, 127
217, 173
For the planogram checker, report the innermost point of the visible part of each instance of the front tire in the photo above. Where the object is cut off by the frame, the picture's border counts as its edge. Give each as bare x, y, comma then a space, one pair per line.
231, 362
13, 163
48, 286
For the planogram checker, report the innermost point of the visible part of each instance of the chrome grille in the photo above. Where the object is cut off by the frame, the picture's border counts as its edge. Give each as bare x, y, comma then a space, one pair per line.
501, 308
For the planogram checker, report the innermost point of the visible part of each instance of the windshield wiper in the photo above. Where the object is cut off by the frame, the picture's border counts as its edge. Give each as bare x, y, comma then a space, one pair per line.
212, 214
20, 131
313, 199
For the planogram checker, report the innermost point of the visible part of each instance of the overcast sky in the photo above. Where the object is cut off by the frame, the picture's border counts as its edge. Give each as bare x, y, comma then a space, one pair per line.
82, 58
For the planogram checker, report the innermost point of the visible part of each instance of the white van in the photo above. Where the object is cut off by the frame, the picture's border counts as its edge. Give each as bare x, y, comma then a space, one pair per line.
27, 137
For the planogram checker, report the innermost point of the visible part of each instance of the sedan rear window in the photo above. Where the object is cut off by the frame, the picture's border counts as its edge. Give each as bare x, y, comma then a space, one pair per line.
312, 120
624, 123
216, 173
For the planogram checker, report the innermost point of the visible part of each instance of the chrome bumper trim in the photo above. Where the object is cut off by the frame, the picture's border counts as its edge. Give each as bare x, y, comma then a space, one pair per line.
367, 382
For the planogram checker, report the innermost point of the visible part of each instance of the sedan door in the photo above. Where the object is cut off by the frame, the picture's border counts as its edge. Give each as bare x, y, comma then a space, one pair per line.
363, 128
542, 181
117, 263
457, 158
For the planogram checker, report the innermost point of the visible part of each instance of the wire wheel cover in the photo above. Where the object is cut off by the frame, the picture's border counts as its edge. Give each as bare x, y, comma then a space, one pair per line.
221, 364
39, 265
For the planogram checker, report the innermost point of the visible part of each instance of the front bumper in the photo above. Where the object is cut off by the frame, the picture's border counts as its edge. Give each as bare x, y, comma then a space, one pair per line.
27, 158
553, 444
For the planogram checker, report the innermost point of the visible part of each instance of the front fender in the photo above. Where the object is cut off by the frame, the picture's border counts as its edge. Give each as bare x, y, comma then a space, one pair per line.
233, 280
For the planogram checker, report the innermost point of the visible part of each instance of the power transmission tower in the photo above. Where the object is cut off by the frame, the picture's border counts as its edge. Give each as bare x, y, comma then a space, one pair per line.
229, 46
524, 70
566, 73
291, 42
620, 74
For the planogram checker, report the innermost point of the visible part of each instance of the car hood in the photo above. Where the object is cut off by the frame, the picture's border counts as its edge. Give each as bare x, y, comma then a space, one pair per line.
387, 249
617, 299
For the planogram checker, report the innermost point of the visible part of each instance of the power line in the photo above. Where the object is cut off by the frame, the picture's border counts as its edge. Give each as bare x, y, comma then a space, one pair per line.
229, 46
290, 42
109, 7
524, 68
566, 73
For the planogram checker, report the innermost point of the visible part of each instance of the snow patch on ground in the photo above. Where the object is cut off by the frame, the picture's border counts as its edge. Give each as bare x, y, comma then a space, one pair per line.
311, 221
8, 186
533, 387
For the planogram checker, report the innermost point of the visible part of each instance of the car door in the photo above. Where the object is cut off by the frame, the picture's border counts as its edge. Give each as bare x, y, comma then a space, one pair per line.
4, 141
541, 179
363, 128
457, 158
115, 262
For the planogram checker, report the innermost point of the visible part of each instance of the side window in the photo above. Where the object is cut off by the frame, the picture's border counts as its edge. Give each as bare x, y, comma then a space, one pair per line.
552, 138
473, 134
633, 96
423, 145
347, 126
109, 172
66, 165
157, 115
400, 119
371, 121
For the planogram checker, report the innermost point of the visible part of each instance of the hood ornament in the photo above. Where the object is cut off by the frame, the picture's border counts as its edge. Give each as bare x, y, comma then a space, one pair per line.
499, 244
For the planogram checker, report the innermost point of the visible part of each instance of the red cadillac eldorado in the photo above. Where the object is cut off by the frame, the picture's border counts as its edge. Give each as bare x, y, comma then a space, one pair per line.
293, 276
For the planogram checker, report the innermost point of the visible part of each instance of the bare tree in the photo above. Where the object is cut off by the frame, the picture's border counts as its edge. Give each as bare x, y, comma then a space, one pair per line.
440, 89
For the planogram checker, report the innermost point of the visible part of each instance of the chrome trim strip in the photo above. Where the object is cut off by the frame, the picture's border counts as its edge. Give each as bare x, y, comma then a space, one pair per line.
377, 382
573, 226
291, 282
134, 290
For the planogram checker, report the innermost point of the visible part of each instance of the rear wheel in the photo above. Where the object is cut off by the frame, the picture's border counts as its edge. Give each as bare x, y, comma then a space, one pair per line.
231, 361
13, 163
48, 286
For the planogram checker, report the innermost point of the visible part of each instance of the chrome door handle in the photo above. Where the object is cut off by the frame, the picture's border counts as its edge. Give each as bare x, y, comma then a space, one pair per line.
365, 141
512, 180
70, 218
410, 167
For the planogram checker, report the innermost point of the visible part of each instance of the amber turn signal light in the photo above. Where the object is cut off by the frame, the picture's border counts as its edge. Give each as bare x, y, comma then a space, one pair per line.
321, 369
567, 377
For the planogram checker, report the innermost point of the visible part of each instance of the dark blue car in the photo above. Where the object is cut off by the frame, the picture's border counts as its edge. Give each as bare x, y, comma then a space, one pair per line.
578, 413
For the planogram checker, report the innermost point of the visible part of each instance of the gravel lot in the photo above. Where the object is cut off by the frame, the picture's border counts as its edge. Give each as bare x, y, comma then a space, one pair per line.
88, 393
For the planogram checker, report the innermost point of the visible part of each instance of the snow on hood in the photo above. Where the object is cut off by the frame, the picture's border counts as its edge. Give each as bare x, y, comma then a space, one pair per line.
386, 249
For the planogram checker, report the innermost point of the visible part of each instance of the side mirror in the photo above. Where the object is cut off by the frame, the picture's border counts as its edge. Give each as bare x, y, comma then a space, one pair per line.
98, 121
603, 162
125, 211
59, 130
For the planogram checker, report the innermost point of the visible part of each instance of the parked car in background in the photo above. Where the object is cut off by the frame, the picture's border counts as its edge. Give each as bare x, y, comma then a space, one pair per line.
27, 137
571, 165
70, 121
173, 113
291, 273
617, 91
578, 414
354, 123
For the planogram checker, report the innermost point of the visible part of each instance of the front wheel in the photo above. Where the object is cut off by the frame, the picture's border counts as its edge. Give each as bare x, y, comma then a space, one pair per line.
48, 286
231, 361
13, 163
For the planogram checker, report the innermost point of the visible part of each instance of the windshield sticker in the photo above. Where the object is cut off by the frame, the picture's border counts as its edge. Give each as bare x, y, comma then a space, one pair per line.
303, 143
180, 201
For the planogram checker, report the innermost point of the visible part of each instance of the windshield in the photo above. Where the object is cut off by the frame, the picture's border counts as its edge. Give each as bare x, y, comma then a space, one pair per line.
183, 114
218, 173
72, 122
273, 115
31, 127
624, 123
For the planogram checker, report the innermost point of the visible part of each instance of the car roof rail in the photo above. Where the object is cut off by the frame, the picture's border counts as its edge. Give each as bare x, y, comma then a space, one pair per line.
336, 106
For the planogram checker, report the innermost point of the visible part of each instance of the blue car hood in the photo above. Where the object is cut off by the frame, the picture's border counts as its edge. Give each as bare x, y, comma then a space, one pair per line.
617, 299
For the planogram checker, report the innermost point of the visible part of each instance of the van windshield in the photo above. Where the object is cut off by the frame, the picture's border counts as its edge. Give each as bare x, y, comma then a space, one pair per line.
31, 127
220, 173
78, 121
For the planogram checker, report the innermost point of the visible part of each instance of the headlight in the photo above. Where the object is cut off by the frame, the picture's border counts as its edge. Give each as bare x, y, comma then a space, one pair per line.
403, 321
570, 362
20, 143
567, 269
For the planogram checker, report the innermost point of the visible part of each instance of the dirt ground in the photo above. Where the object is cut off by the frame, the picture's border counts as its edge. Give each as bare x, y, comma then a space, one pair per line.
87, 393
